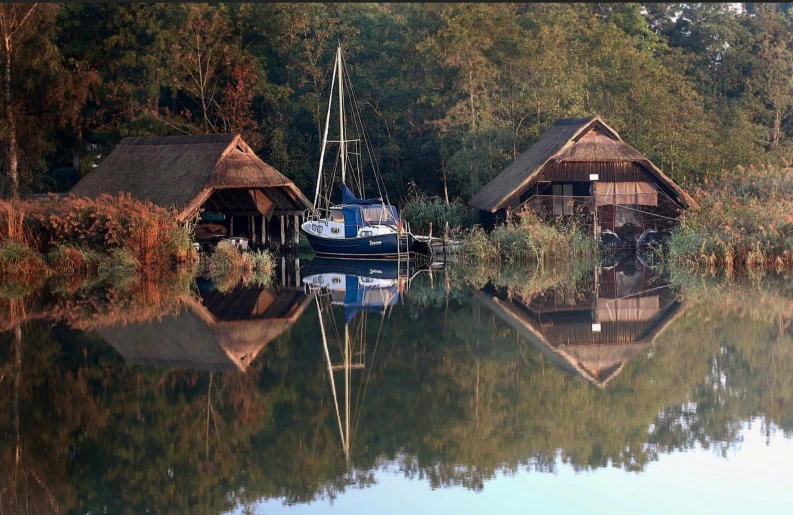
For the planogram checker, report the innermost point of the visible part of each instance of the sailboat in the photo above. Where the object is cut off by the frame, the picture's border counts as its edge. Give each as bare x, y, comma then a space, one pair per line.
358, 226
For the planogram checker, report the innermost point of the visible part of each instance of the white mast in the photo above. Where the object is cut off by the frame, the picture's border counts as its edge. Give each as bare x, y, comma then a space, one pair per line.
325, 136
342, 150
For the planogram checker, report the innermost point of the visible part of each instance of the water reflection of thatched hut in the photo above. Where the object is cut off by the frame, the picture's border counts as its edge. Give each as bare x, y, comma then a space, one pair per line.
592, 332
226, 331
578, 165
216, 172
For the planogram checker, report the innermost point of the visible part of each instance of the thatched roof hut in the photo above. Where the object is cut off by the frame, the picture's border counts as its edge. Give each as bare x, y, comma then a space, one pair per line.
185, 172
574, 150
225, 331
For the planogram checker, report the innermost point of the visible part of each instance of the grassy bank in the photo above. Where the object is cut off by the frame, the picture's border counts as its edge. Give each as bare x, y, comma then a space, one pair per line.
530, 241
745, 220
111, 237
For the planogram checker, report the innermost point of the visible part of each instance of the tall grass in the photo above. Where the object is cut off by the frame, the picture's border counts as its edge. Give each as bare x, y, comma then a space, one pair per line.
422, 210
530, 241
115, 236
229, 267
745, 220
151, 234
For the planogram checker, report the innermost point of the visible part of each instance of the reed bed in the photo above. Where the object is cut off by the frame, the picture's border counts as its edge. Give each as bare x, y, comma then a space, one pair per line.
112, 236
745, 220
227, 266
530, 241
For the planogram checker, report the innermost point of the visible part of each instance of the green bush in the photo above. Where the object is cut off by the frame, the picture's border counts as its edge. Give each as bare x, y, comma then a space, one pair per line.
529, 241
421, 210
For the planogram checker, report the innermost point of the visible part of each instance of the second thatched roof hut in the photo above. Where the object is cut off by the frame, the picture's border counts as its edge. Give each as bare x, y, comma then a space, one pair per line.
578, 165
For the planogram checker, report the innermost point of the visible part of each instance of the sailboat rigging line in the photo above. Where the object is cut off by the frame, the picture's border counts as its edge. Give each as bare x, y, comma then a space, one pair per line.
369, 371
341, 112
330, 371
325, 138
367, 142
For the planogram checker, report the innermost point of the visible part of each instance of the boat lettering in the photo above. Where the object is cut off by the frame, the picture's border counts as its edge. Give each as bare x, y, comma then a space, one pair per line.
375, 271
372, 242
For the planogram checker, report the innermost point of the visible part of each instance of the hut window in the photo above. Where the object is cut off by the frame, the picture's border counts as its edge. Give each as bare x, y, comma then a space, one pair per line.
562, 199
240, 149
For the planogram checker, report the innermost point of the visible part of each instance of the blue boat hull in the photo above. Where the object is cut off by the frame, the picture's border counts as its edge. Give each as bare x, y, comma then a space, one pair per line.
381, 269
369, 246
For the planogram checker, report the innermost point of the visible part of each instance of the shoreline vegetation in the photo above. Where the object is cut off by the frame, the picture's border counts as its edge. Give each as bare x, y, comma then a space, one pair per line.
745, 220
110, 237
112, 241
528, 241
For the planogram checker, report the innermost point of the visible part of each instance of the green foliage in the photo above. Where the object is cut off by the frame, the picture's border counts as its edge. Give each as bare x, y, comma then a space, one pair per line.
228, 266
450, 93
744, 220
118, 268
423, 210
529, 241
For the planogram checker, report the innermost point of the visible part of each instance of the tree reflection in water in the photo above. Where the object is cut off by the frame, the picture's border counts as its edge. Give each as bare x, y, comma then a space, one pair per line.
467, 382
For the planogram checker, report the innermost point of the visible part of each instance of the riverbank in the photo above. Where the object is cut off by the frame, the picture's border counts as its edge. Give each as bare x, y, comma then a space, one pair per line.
110, 237
745, 220
529, 241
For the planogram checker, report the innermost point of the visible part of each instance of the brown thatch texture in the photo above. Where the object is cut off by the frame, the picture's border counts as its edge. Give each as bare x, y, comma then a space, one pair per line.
177, 171
596, 145
570, 139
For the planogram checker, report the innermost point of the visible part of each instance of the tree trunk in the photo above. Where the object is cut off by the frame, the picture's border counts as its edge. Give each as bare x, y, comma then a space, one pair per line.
445, 187
775, 131
12, 161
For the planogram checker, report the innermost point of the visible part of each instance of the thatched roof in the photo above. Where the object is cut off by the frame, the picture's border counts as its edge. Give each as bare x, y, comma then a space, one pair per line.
570, 139
181, 172
224, 332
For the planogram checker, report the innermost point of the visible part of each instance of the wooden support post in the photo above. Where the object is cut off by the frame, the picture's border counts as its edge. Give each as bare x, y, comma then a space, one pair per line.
445, 237
297, 231
264, 231
283, 230
283, 269
231, 225
252, 228
297, 272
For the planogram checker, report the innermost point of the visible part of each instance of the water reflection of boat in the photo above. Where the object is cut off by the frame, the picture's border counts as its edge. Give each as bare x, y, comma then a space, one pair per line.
222, 331
595, 329
359, 287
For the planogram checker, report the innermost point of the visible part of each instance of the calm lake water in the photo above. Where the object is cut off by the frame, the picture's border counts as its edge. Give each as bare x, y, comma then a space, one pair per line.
611, 387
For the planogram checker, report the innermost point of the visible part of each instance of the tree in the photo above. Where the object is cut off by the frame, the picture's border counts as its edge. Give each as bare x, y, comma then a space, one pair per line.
15, 20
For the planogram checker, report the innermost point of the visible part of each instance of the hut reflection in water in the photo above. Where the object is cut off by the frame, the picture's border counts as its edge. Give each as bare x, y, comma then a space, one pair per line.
224, 331
596, 329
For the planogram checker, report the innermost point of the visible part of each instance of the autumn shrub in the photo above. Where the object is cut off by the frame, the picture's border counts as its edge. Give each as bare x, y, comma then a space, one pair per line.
422, 210
66, 261
21, 268
151, 234
11, 222
745, 220
530, 240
